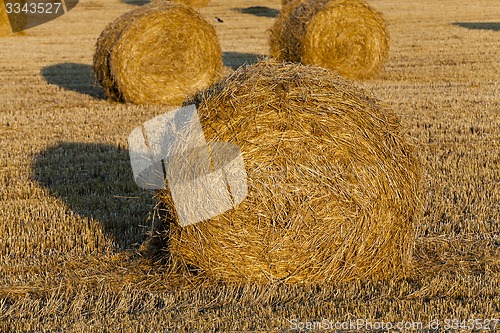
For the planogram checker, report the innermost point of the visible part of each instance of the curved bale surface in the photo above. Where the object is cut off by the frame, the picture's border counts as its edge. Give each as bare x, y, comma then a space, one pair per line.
333, 187
5, 25
347, 36
157, 54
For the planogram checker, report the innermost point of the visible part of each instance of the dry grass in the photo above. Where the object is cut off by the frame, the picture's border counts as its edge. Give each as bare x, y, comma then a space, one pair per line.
346, 36
72, 218
157, 54
333, 188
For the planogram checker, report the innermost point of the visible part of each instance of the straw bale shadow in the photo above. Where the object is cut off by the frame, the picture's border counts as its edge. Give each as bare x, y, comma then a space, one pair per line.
258, 11
237, 59
95, 181
74, 77
494, 26
136, 2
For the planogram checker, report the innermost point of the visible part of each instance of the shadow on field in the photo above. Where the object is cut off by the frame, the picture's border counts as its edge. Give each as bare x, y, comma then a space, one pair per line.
95, 181
74, 77
136, 2
237, 59
258, 11
495, 26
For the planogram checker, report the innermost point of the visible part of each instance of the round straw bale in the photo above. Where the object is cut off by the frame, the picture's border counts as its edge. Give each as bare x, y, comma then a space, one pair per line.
192, 3
333, 187
6, 25
157, 54
347, 36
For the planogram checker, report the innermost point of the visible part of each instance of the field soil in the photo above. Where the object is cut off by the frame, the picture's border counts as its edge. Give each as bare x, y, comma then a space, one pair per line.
72, 220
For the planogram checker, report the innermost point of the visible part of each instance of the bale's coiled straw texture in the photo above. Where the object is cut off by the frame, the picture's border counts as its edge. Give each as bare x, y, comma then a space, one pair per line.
333, 187
347, 36
157, 54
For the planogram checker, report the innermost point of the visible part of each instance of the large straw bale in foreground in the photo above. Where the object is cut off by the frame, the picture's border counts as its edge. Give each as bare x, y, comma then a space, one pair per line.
19, 22
347, 36
157, 54
333, 188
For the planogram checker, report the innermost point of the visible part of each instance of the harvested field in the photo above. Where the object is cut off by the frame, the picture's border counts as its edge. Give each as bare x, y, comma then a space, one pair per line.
193, 3
72, 219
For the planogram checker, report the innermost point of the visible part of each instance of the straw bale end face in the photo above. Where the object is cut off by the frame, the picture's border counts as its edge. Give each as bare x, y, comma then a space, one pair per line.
347, 36
157, 54
333, 187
